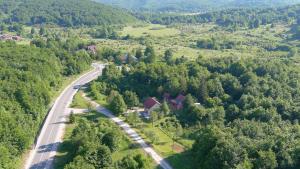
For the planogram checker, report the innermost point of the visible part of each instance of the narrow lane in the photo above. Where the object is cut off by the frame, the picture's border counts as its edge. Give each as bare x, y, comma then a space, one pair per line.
133, 135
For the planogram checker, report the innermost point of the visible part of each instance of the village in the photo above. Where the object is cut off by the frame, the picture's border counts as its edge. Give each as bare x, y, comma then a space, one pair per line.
151, 104
8, 37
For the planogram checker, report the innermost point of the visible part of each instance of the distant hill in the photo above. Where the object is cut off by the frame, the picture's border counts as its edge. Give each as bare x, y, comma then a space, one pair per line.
62, 12
194, 5
232, 18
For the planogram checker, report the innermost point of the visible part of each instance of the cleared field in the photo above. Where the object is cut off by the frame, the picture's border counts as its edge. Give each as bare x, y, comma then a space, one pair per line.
182, 39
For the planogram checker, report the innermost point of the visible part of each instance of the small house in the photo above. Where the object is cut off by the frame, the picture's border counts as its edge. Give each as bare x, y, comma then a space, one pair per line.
92, 49
177, 103
150, 105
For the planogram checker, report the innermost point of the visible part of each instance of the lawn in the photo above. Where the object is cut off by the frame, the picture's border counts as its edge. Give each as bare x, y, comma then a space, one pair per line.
177, 154
79, 101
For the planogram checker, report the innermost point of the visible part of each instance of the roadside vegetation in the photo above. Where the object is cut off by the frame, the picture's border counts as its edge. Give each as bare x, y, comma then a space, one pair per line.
93, 141
237, 68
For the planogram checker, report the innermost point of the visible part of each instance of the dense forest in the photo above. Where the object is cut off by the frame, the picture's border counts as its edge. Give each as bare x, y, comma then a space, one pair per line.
194, 5
63, 13
247, 114
251, 18
29, 76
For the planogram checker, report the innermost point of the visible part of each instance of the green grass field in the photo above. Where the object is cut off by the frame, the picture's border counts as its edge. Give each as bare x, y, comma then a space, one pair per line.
176, 154
182, 40
80, 102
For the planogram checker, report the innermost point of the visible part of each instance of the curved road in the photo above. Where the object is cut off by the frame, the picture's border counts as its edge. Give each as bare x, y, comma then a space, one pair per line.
41, 157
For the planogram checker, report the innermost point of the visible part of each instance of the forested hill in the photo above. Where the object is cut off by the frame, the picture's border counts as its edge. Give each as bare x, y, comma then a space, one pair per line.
195, 5
62, 12
234, 17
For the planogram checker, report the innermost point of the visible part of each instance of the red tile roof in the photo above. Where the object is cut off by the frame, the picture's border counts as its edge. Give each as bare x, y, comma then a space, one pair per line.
150, 102
180, 98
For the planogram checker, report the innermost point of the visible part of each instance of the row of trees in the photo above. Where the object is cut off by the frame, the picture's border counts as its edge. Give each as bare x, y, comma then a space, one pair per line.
216, 44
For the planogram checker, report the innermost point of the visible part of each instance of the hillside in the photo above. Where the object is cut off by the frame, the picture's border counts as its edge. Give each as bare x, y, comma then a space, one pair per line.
63, 13
251, 18
194, 5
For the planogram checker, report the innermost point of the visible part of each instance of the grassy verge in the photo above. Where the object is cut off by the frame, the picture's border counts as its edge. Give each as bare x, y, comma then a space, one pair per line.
79, 101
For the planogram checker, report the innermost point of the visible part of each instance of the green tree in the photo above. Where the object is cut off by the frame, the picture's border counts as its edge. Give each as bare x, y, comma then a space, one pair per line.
117, 105
72, 117
42, 31
139, 53
153, 117
168, 56
152, 136
150, 54
128, 162
99, 157
79, 162
131, 99
111, 140
32, 31
266, 160
165, 108
133, 118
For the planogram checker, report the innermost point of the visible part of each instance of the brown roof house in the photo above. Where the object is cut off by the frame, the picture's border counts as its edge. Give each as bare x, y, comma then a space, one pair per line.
92, 49
150, 104
6, 37
177, 103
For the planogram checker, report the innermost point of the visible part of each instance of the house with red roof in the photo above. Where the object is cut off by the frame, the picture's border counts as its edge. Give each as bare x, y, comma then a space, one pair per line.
92, 49
150, 105
177, 103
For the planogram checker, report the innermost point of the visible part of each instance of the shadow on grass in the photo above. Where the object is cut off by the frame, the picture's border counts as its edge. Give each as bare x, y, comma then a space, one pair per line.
66, 152
93, 116
182, 160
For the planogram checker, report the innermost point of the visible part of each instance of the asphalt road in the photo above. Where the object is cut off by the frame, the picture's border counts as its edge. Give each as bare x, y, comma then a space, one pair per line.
41, 157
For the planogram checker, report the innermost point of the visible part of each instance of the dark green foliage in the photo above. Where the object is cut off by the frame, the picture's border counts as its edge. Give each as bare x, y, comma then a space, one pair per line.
28, 75
63, 13
93, 143
248, 111
111, 140
150, 56
194, 5
104, 32
233, 18
165, 108
99, 157
131, 99
79, 162
168, 56
117, 104
215, 44
133, 162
